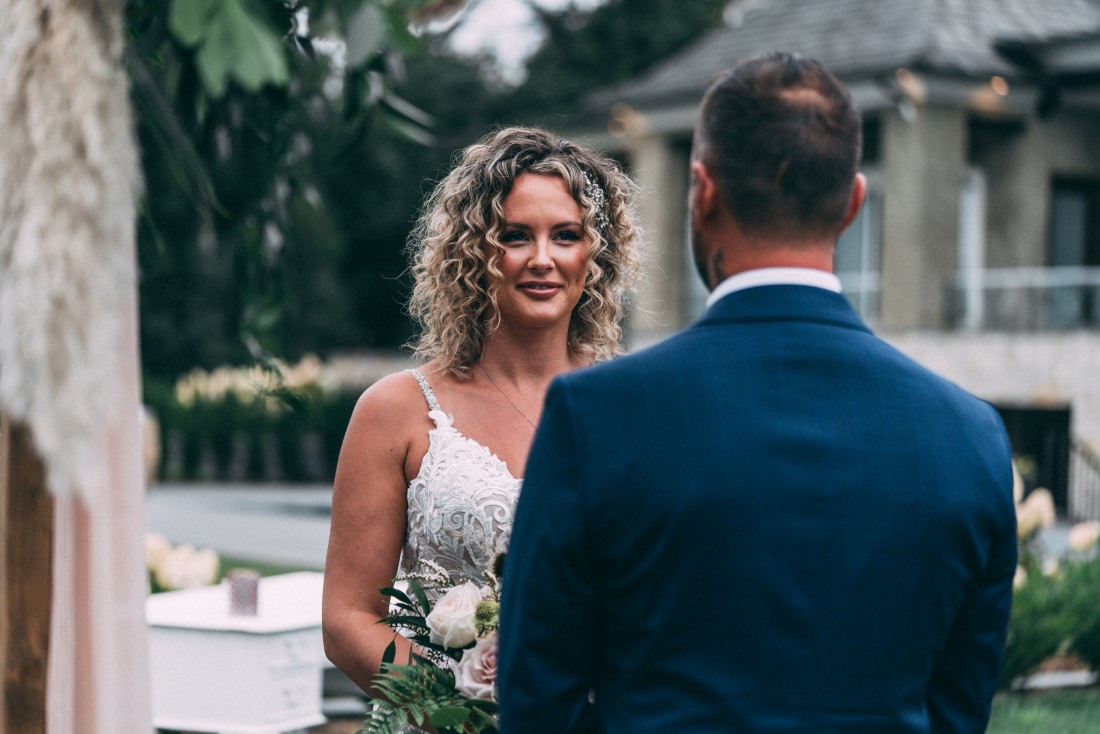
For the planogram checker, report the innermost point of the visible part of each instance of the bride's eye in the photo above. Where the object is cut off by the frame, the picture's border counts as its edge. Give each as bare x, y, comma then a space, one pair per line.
569, 235
515, 235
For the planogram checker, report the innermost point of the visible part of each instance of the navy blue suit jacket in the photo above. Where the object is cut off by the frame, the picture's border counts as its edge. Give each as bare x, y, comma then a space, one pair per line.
771, 522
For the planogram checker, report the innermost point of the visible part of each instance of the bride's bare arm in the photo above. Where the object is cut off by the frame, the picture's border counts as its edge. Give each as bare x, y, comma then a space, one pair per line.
368, 527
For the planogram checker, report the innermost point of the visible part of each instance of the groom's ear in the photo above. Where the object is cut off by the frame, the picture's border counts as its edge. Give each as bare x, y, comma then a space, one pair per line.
704, 193
855, 200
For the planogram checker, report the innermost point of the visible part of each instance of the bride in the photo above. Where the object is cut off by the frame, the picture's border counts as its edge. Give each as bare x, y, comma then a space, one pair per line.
522, 257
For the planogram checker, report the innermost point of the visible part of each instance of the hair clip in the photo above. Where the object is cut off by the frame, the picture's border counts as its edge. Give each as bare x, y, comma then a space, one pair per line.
595, 194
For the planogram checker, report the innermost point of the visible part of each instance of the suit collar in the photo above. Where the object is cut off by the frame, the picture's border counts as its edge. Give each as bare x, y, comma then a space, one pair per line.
773, 276
784, 303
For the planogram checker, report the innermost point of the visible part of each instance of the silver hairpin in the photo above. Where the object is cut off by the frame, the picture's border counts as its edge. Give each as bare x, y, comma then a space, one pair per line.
595, 194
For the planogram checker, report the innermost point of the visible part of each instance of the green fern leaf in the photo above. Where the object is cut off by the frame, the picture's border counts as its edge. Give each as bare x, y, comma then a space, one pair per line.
450, 716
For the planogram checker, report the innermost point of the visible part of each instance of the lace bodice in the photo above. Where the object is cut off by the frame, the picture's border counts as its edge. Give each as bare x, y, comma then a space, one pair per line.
461, 503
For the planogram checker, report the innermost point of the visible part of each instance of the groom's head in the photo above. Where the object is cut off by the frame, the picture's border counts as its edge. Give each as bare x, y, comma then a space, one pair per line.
774, 155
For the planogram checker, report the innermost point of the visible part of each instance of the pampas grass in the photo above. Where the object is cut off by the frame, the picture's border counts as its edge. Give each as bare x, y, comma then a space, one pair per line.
69, 180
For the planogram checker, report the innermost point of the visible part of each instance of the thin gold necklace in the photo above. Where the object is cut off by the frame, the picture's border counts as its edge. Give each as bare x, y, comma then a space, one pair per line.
479, 364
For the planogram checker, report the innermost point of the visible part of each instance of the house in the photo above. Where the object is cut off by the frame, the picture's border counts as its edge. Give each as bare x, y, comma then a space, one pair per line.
978, 251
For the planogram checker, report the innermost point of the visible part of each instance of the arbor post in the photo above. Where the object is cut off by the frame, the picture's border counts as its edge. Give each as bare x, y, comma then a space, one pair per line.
26, 540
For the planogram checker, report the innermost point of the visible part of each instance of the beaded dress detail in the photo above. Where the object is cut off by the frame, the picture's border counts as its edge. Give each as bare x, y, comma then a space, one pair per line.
461, 503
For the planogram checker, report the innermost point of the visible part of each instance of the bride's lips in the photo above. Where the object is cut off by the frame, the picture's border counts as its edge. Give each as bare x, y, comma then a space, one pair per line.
540, 289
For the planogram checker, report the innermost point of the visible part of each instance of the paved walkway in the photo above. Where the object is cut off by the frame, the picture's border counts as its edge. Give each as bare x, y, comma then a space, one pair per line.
288, 524
284, 524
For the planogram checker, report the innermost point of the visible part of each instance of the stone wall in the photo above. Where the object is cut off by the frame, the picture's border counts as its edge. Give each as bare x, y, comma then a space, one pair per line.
1054, 369
1041, 369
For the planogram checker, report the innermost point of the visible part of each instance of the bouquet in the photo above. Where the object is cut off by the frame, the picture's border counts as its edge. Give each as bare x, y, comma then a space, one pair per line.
451, 683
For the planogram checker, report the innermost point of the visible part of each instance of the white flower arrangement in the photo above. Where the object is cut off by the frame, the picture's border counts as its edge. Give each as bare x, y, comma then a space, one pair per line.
180, 567
1035, 512
451, 684
1084, 536
255, 384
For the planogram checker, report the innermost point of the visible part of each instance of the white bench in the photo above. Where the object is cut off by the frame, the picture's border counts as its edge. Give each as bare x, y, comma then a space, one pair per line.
217, 672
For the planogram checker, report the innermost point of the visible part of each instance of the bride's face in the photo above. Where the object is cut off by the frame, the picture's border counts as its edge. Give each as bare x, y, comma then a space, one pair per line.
545, 253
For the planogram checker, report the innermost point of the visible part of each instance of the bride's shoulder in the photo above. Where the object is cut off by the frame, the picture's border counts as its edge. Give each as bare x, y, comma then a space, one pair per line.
389, 423
394, 401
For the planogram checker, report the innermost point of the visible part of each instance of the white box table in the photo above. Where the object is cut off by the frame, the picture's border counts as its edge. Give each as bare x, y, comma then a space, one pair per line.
217, 672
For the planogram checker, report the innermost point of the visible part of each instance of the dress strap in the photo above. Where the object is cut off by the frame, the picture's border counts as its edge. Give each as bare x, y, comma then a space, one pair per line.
425, 388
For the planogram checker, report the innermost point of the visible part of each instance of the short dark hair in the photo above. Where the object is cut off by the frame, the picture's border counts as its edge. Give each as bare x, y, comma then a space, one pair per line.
781, 136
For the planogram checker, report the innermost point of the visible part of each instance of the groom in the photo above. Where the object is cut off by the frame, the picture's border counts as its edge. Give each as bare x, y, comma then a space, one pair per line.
772, 521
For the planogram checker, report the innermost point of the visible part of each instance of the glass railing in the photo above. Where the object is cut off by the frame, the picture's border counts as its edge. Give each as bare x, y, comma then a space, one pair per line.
1025, 299
1084, 482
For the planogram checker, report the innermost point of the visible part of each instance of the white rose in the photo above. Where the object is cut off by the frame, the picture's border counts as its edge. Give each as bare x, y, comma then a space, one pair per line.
1017, 484
186, 568
204, 567
156, 548
451, 621
1020, 578
1083, 535
476, 675
1035, 512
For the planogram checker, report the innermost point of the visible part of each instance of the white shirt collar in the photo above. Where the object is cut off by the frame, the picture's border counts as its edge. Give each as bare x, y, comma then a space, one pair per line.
774, 276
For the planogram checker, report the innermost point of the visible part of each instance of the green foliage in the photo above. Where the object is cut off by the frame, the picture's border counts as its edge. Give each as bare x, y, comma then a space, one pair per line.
1054, 614
1044, 712
281, 186
230, 563
487, 617
290, 436
240, 120
366, 33
1036, 630
614, 42
426, 691
1081, 600
423, 692
231, 43
419, 694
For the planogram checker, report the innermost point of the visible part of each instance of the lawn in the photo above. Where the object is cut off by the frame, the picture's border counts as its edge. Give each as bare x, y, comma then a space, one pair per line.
1062, 711
266, 569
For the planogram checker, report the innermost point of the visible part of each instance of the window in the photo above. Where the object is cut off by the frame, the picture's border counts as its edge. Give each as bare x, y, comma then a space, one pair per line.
1074, 249
1040, 438
1075, 223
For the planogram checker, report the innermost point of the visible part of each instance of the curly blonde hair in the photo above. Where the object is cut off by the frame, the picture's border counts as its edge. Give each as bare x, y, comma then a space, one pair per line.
456, 246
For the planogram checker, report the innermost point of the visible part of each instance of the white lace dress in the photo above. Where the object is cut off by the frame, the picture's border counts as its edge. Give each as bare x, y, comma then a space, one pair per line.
461, 504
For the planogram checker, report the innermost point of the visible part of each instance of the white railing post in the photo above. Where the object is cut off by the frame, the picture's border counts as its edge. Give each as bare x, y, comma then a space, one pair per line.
972, 214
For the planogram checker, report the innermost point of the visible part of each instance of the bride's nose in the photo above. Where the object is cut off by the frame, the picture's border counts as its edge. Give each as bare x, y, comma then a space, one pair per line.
540, 256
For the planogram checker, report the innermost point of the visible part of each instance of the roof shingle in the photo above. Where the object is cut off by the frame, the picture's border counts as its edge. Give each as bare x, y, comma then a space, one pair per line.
861, 38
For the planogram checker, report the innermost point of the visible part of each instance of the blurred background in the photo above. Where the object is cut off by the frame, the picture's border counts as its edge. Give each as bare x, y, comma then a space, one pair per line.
277, 210
276, 218
286, 149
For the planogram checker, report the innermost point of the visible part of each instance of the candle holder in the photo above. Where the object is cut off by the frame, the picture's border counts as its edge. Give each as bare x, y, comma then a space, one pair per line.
244, 588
